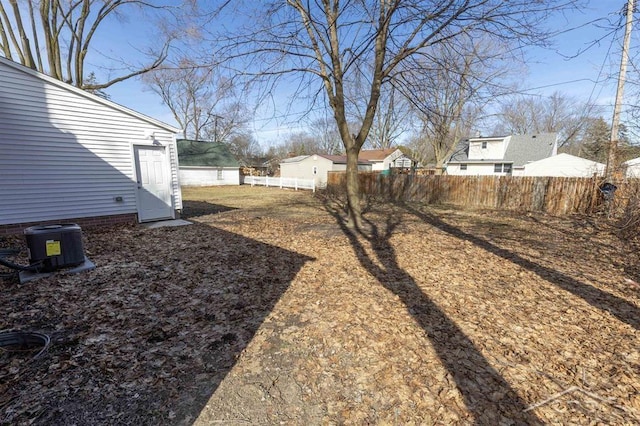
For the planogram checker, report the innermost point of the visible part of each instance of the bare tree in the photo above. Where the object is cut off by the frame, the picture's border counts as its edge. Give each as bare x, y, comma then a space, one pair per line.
202, 102
230, 116
299, 143
56, 36
244, 146
185, 89
557, 113
448, 92
321, 138
327, 136
392, 118
333, 42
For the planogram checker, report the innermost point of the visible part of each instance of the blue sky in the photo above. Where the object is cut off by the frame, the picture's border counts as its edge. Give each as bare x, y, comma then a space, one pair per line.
589, 75
577, 64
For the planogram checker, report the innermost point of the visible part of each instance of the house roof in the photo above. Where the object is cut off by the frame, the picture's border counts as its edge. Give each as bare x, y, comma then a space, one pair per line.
295, 159
632, 162
69, 87
342, 159
522, 149
339, 159
526, 148
205, 154
376, 154
564, 157
564, 165
461, 153
336, 159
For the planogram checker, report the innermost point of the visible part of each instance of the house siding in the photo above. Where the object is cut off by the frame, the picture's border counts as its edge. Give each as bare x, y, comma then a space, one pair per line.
64, 154
494, 149
84, 222
208, 176
304, 169
386, 163
485, 169
379, 166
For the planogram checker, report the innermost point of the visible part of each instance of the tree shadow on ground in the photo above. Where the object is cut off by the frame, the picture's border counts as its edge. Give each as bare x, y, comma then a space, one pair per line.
486, 394
625, 311
192, 209
148, 336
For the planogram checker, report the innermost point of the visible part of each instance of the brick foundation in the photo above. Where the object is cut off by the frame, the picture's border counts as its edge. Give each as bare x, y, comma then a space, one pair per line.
83, 222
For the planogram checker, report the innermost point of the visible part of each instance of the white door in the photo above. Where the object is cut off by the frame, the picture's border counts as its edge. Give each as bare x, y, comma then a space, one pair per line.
154, 183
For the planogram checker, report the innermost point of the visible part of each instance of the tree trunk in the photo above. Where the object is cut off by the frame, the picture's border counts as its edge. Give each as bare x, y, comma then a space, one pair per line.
354, 209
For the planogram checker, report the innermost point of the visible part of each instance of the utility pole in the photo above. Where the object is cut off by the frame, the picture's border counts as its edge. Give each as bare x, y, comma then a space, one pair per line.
615, 122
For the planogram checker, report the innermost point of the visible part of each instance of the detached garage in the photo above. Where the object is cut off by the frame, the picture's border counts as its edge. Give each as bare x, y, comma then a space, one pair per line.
564, 165
207, 164
67, 155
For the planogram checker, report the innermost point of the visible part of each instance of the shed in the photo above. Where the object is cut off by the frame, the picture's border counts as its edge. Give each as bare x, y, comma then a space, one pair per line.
317, 167
207, 164
68, 155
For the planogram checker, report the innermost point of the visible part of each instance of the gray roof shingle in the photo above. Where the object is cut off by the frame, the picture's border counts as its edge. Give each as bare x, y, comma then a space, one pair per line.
523, 149
461, 153
295, 159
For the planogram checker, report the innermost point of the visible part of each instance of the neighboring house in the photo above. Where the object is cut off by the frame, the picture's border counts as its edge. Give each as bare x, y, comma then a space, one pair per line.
500, 155
633, 168
68, 155
384, 159
564, 165
207, 164
317, 166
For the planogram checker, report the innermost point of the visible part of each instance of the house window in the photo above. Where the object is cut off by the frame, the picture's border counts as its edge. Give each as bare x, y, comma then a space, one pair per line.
463, 167
315, 170
484, 144
502, 168
219, 174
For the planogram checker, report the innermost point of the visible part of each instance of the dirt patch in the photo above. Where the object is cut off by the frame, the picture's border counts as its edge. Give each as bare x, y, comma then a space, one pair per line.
271, 312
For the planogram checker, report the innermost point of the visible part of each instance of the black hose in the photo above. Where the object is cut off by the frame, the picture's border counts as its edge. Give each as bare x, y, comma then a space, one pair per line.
9, 275
4, 252
19, 341
17, 267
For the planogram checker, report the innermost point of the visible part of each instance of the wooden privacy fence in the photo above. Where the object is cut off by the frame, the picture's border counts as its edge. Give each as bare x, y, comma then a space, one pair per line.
554, 195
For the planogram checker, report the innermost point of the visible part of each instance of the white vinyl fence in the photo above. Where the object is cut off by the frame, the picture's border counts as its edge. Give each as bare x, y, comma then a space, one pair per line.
280, 182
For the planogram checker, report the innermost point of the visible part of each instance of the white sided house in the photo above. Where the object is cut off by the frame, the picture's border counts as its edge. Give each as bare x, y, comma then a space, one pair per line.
500, 155
67, 155
317, 167
385, 159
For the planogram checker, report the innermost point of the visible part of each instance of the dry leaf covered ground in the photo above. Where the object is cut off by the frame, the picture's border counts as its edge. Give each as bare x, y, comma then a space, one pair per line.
267, 311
